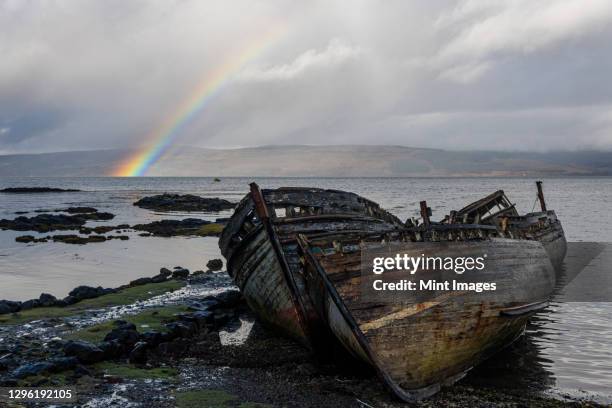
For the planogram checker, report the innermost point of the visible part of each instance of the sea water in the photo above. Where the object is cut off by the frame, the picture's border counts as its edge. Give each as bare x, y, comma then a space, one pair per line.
567, 348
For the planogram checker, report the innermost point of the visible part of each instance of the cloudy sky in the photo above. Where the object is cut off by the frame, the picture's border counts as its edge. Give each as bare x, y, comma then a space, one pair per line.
516, 74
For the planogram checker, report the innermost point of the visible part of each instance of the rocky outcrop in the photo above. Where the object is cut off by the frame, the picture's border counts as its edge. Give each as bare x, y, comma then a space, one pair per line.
52, 222
8, 306
188, 226
186, 202
85, 352
214, 265
87, 292
22, 190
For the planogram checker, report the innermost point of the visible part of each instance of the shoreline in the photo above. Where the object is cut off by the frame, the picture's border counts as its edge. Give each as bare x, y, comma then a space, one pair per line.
197, 365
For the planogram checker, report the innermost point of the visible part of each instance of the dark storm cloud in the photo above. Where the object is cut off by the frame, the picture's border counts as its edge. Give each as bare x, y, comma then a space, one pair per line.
469, 74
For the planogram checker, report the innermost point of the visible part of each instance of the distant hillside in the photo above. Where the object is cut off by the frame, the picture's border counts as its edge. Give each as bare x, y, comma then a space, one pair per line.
322, 161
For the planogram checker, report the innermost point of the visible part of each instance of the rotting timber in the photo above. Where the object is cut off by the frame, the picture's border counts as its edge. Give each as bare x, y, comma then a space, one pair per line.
295, 253
259, 243
496, 209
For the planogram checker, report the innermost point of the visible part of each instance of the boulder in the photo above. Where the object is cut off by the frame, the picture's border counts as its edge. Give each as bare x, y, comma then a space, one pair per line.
70, 300
152, 337
141, 281
86, 352
88, 292
31, 369
159, 279
180, 329
63, 363
180, 273
165, 272
30, 304
214, 264
138, 355
112, 349
46, 300
126, 335
8, 306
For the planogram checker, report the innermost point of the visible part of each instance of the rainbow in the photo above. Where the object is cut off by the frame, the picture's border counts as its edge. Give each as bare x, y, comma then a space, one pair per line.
163, 136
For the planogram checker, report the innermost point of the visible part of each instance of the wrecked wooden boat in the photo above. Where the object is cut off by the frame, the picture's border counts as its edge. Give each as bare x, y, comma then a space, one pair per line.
417, 346
496, 209
259, 244
295, 253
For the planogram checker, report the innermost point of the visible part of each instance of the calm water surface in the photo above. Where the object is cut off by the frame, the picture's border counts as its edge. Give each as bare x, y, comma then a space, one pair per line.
567, 349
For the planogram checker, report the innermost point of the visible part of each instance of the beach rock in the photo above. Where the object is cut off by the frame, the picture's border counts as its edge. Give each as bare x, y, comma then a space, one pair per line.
159, 279
70, 300
78, 210
111, 349
152, 337
63, 363
125, 333
119, 237
165, 272
86, 352
141, 281
187, 202
46, 300
87, 292
187, 226
8, 306
52, 222
56, 343
37, 190
30, 304
78, 240
180, 329
138, 355
214, 264
31, 369
180, 273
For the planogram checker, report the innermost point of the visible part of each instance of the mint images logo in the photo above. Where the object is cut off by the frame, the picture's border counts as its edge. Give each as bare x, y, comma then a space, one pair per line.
413, 264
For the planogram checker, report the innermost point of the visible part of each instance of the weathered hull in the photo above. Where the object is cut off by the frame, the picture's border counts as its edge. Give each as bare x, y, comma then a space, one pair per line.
546, 228
258, 274
263, 261
418, 348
